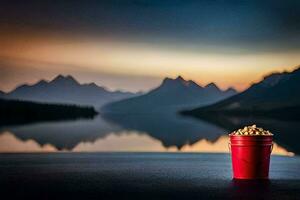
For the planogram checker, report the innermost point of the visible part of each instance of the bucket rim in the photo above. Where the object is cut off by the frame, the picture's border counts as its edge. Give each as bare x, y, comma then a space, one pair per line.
232, 135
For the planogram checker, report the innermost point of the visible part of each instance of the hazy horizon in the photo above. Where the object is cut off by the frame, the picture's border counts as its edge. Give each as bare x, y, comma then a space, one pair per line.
150, 87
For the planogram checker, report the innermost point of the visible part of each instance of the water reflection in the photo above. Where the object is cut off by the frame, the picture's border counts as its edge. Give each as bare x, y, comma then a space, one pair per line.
171, 129
64, 135
10, 143
286, 133
125, 141
134, 141
135, 133
221, 146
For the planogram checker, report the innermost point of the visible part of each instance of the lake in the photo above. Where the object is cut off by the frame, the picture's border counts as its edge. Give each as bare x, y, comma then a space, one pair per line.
141, 133
140, 157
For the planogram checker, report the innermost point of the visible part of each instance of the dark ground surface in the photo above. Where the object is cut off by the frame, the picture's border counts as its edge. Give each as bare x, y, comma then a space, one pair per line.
140, 176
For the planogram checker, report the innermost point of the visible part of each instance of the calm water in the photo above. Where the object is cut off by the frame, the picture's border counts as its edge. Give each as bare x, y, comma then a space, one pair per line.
169, 132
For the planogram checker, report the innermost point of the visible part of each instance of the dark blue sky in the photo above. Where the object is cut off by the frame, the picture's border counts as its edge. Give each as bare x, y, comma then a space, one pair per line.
254, 24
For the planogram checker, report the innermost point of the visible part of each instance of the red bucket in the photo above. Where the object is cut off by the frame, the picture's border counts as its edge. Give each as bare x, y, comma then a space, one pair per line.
251, 156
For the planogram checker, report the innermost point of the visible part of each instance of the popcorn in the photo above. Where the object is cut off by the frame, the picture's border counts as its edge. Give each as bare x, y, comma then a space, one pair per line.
251, 130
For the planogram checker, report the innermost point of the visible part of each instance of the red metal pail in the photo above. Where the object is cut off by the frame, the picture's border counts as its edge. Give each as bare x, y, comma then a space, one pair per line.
251, 156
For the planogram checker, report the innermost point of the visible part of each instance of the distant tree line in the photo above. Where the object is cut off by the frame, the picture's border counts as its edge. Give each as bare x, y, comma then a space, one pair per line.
22, 112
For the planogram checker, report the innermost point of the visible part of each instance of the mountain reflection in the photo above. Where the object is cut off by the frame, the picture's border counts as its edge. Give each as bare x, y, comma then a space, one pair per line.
64, 134
150, 133
125, 141
171, 129
286, 133
10, 143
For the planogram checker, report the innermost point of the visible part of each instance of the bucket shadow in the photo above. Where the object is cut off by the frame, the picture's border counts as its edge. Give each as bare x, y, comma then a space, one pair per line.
250, 189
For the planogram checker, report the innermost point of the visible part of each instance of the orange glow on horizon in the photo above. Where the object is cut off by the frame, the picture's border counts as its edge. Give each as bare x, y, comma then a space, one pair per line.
61, 55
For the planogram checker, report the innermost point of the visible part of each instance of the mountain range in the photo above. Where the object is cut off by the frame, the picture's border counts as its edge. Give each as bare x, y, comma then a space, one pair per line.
277, 94
66, 90
171, 95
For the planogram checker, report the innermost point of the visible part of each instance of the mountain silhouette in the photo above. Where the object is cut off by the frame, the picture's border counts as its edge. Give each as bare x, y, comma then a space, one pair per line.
277, 94
171, 95
66, 90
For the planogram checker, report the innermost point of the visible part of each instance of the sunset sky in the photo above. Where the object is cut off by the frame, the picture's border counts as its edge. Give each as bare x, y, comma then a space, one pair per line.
133, 44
